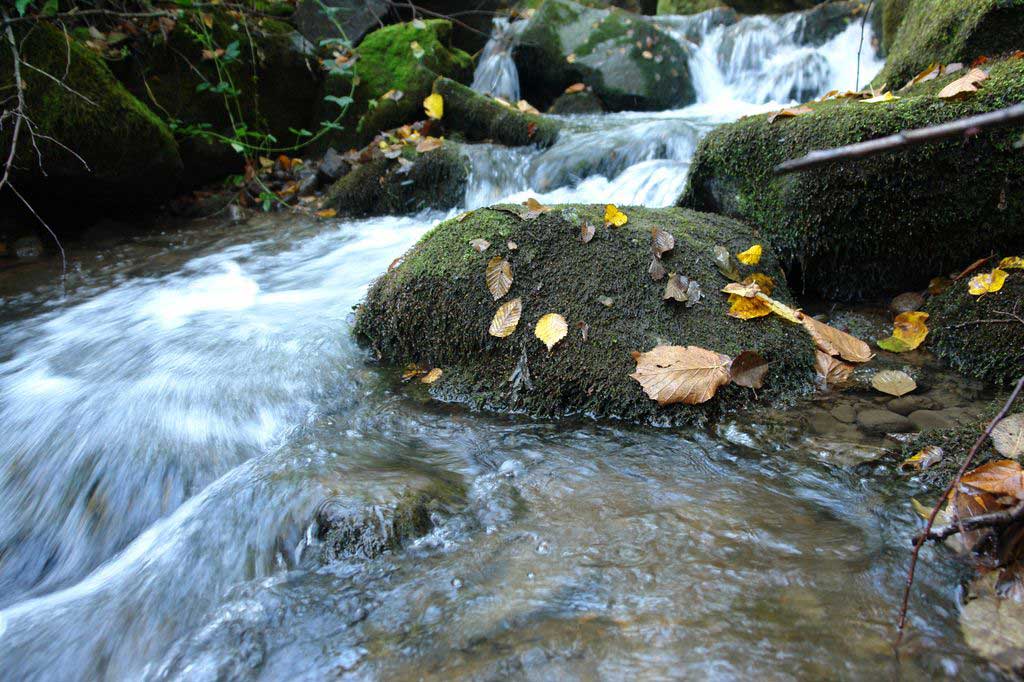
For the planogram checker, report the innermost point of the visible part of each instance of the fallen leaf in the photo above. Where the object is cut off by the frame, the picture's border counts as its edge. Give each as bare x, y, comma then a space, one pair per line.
893, 345
479, 245
1008, 436
674, 374
1012, 263
613, 217
964, 85
498, 276
571, 58
412, 371
526, 107
751, 256
693, 293
646, 54
972, 267
506, 318
417, 52
587, 232
551, 329
789, 113
893, 382
657, 271
584, 329
745, 290
512, 246
534, 208
326, 213
885, 97
432, 376
749, 369
661, 242
725, 264
835, 342
606, 301
747, 308
428, 144
1000, 477
433, 105
906, 303
574, 88
676, 288
986, 283
927, 456
781, 309
931, 73
766, 283
909, 331
393, 95
937, 285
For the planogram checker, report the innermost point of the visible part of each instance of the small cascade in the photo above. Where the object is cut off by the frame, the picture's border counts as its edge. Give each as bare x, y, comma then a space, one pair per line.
496, 73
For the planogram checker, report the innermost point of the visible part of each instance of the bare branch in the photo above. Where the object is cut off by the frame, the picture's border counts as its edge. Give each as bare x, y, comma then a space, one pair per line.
19, 112
991, 520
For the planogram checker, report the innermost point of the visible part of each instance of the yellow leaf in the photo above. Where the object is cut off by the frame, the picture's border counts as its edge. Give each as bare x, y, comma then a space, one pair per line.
551, 329
835, 342
986, 283
434, 106
207, 19
893, 382
747, 308
925, 457
751, 256
326, 213
887, 97
412, 371
781, 309
571, 59
506, 319
745, 290
909, 331
763, 281
1000, 477
789, 113
498, 276
525, 107
534, 208
674, 374
1012, 263
432, 376
964, 85
614, 217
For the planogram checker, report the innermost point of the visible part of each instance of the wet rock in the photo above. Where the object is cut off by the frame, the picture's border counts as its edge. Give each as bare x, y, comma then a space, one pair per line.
27, 247
332, 166
576, 103
627, 61
845, 413
910, 403
849, 241
479, 118
435, 309
880, 422
356, 17
742, 6
929, 420
829, 19
823, 423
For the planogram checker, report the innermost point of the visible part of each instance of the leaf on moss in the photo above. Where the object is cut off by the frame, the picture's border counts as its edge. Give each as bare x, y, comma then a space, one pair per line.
726, 264
1008, 436
749, 369
676, 288
432, 376
781, 309
613, 217
893, 382
986, 283
433, 105
661, 242
551, 329
428, 144
574, 88
789, 113
931, 73
751, 256
657, 270
928, 456
506, 319
417, 52
512, 246
587, 232
909, 331
498, 276
766, 283
963, 86
884, 97
1012, 263
830, 370
745, 290
836, 342
534, 208
606, 301
747, 308
480, 245
412, 370
677, 374
527, 108
938, 285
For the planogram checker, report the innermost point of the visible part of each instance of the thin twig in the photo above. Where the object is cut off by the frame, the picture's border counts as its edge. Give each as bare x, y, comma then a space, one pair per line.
938, 505
964, 126
63, 256
58, 81
20, 110
990, 520
860, 45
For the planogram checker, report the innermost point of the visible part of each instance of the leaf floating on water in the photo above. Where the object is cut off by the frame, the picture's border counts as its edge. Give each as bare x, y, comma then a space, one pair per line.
657, 270
1001, 477
835, 342
830, 370
893, 382
986, 283
551, 329
749, 369
1008, 436
725, 264
432, 376
909, 331
587, 232
480, 245
506, 319
906, 303
789, 113
751, 256
927, 456
433, 105
661, 242
613, 217
674, 374
963, 86
1012, 263
498, 276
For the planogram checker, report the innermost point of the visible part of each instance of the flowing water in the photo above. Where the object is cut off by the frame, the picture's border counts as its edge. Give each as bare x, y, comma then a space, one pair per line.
174, 423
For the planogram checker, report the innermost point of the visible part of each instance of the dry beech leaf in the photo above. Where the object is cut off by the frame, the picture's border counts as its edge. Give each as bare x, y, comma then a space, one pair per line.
432, 376
745, 290
751, 256
661, 242
480, 245
551, 329
749, 369
931, 73
893, 382
506, 319
1001, 477
835, 342
674, 374
657, 270
1012, 263
526, 107
676, 288
613, 217
326, 213
534, 208
725, 264
412, 370
830, 370
428, 144
781, 309
986, 283
574, 88
433, 105
1008, 436
584, 330
964, 85
927, 456
498, 276
789, 113
587, 232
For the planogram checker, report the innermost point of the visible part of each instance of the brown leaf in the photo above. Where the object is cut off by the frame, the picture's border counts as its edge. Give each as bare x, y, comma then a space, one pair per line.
744, 290
1008, 436
657, 270
587, 232
964, 85
830, 370
1000, 477
479, 245
893, 382
749, 369
835, 342
937, 285
506, 319
676, 288
428, 144
575, 87
584, 329
726, 264
432, 376
674, 374
927, 456
789, 113
661, 242
498, 276
534, 208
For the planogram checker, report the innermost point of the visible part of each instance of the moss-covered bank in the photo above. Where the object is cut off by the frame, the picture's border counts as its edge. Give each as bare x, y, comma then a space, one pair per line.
435, 309
886, 223
479, 118
742, 6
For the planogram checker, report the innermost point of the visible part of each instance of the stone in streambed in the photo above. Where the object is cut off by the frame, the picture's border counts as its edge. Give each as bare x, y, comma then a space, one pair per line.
584, 102
845, 413
881, 422
928, 420
910, 403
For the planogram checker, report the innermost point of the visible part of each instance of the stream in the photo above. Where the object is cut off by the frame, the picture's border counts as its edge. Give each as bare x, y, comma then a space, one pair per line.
175, 419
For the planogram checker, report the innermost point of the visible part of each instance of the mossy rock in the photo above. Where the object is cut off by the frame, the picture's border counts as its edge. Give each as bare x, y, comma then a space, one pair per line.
890, 17
741, 6
883, 224
979, 335
480, 118
948, 31
387, 62
382, 186
627, 61
131, 156
584, 102
435, 309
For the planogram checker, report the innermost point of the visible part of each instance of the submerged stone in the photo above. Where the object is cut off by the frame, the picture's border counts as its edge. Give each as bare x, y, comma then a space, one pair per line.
435, 309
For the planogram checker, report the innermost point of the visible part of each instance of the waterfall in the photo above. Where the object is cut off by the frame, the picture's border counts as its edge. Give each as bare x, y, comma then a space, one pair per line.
496, 73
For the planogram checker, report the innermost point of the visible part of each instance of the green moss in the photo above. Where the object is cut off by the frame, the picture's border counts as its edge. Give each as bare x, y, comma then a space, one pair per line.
882, 224
892, 12
435, 309
687, 6
131, 155
948, 31
481, 118
979, 336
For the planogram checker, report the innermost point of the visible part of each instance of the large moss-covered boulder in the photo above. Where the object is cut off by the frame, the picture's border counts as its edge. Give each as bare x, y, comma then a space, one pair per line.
889, 16
625, 59
981, 336
948, 31
479, 118
886, 223
97, 149
435, 309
